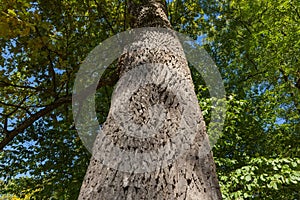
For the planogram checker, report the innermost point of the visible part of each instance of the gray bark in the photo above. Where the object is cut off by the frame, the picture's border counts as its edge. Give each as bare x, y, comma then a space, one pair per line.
190, 176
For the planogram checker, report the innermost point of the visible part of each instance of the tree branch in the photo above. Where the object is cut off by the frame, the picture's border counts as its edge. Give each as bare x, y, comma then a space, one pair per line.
11, 134
6, 84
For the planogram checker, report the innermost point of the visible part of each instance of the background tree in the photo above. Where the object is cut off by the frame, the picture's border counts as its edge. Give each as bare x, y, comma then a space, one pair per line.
255, 44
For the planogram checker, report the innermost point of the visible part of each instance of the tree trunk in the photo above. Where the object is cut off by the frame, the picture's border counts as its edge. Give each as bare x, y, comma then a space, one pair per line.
192, 174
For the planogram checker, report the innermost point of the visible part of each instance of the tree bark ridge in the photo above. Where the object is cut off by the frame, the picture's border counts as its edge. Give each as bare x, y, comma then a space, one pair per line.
190, 176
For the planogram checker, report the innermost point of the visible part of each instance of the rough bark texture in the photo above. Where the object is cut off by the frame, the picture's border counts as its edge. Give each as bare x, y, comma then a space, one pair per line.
192, 175
148, 13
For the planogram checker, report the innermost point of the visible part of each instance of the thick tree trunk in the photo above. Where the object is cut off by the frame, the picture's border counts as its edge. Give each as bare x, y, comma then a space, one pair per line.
190, 176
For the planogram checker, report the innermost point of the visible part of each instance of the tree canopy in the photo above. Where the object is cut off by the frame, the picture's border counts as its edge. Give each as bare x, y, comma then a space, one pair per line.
254, 43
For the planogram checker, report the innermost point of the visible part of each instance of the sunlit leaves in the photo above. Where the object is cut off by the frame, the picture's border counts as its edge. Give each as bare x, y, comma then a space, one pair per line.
256, 47
186, 17
262, 178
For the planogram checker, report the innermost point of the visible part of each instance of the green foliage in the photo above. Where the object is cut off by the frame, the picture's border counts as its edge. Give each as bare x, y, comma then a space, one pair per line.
256, 46
42, 45
254, 43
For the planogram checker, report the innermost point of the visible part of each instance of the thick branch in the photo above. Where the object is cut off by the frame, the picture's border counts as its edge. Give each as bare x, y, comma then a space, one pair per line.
11, 134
